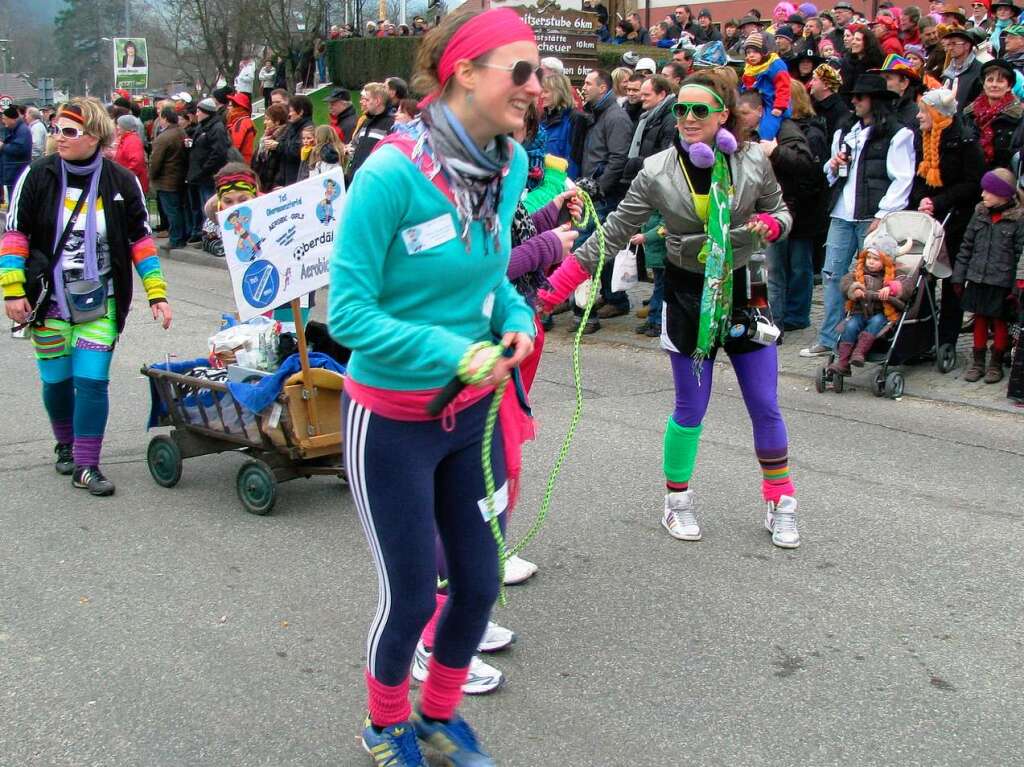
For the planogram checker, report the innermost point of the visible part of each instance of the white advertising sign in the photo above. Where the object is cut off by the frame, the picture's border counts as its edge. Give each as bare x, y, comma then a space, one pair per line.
278, 246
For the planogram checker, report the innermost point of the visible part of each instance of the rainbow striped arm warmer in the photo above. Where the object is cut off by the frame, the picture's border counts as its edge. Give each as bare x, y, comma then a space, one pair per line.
147, 264
13, 252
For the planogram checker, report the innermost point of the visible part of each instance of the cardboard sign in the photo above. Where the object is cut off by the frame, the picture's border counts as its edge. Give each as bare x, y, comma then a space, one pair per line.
278, 246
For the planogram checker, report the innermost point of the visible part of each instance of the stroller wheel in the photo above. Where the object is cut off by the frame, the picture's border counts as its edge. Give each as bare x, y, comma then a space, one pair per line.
894, 383
821, 380
945, 358
837, 383
879, 388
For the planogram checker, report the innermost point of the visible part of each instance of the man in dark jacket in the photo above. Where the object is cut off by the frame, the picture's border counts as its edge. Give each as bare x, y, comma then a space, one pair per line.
790, 260
824, 92
604, 159
655, 129
903, 80
15, 150
634, 106
209, 153
963, 73
168, 165
374, 125
343, 114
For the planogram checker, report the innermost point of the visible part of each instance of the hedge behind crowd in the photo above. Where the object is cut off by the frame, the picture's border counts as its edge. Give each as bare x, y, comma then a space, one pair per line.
354, 62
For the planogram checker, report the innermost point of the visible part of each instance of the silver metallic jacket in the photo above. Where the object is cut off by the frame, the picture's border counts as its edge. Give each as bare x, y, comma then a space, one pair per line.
660, 186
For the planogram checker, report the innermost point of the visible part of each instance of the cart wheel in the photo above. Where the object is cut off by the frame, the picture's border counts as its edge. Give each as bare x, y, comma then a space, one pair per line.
837, 383
945, 358
821, 380
164, 460
894, 384
879, 388
257, 487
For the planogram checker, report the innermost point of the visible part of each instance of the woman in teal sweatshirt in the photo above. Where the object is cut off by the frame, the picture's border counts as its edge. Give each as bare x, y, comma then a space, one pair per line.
418, 282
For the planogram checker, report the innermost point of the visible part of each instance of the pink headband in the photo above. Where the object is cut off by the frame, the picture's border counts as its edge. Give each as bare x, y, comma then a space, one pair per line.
482, 34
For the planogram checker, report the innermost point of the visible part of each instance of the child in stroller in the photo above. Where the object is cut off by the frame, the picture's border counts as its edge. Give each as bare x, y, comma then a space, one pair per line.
874, 299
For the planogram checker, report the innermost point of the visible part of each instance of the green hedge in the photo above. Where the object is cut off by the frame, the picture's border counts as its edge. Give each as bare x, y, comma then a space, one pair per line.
355, 62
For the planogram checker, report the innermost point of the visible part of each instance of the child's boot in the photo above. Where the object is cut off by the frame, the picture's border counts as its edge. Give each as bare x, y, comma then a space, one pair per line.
841, 365
977, 368
994, 371
860, 352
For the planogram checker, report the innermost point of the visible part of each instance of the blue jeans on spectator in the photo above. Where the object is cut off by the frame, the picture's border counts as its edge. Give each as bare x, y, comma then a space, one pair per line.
198, 195
845, 238
858, 323
177, 221
321, 68
790, 282
657, 297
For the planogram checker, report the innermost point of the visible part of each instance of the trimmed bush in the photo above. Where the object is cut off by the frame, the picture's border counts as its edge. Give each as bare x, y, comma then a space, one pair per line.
356, 61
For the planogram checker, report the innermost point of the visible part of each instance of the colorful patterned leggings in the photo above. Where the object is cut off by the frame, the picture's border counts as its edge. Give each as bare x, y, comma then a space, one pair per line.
74, 365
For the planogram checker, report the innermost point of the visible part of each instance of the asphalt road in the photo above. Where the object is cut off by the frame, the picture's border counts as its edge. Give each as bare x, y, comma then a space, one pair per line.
168, 627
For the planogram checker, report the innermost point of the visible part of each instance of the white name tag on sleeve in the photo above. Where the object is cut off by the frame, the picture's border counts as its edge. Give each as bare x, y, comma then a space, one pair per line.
429, 234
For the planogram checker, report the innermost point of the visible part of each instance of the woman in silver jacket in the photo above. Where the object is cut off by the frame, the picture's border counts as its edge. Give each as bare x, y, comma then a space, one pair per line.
719, 203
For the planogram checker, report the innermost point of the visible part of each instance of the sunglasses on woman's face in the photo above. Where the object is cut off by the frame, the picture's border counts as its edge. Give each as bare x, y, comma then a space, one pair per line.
699, 110
521, 71
56, 130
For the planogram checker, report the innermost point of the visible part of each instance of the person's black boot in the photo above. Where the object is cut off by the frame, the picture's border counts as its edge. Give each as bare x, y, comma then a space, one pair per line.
91, 478
65, 463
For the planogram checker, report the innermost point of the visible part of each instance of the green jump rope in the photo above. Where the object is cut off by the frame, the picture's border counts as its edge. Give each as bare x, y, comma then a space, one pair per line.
504, 552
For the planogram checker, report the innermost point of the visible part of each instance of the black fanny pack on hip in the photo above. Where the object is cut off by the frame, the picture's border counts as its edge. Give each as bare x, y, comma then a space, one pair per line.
86, 298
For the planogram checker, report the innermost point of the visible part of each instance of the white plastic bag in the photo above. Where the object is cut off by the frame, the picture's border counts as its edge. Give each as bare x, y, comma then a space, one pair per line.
625, 273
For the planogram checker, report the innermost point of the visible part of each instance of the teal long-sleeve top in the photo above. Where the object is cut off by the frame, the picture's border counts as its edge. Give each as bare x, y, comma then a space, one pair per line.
406, 296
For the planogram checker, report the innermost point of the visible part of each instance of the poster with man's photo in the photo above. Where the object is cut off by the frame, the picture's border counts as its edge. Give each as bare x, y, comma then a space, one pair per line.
131, 67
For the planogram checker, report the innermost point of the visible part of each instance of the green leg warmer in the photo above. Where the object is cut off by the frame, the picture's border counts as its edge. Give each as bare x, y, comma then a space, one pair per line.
681, 443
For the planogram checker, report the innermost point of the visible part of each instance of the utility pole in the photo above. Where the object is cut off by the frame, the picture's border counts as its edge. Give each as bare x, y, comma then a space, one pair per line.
127, 18
3, 51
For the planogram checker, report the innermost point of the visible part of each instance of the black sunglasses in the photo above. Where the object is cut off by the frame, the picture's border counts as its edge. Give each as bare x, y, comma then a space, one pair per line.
521, 71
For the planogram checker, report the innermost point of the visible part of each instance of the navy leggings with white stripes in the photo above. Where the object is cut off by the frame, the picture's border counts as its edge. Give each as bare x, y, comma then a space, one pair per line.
410, 479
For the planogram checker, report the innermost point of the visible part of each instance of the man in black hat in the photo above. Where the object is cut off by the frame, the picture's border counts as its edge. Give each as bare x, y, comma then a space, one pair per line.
963, 73
343, 114
871, 174
843, 15
747, 26
705, 32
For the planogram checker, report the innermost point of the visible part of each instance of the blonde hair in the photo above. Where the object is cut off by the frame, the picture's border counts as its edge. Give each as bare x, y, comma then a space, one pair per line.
325, 136
376, 90
560, 89
95, 120
619, 77
800, 101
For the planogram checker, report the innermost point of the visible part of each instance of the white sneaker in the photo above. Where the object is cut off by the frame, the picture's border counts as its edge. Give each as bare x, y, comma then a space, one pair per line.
680, 517
496, 638
816, 350
483, 678
780, 519
518, 570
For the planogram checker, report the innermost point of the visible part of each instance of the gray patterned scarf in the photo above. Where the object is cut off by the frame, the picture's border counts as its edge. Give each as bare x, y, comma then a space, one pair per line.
474, 175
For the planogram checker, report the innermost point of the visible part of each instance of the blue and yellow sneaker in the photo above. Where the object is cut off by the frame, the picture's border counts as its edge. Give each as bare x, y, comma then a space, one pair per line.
394, 746
455, 742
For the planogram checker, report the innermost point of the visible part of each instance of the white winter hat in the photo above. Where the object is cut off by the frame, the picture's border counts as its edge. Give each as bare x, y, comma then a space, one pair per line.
555, 65
183, 96
646, 64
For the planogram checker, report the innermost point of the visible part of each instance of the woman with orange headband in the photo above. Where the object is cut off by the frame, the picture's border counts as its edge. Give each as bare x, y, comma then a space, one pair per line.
77, 226
419, 292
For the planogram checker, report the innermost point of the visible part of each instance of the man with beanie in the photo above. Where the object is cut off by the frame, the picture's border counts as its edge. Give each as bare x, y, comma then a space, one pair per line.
15, 150
209, 153
705, 32
824, 91
871, 173
168, 165
343, 114
785, 39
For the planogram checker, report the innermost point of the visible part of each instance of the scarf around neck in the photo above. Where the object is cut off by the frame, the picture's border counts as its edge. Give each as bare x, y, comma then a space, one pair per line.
651, 114
716, 255
474, 175
94, 169
984, 115
952, 71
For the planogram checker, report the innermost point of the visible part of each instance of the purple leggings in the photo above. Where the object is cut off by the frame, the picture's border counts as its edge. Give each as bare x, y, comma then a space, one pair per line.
758, 375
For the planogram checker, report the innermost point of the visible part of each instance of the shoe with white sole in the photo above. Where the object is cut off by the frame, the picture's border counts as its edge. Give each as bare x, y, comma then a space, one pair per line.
780, 519
680, 517
483, 678
496, 638
518, 570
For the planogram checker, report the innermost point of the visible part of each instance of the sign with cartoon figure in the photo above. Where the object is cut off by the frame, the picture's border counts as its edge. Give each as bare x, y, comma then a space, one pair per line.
277, 246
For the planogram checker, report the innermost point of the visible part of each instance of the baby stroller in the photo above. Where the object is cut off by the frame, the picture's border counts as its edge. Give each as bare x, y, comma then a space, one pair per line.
915, 336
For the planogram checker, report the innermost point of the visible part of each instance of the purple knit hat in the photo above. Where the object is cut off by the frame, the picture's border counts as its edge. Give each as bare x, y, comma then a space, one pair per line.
999, 182
808, 10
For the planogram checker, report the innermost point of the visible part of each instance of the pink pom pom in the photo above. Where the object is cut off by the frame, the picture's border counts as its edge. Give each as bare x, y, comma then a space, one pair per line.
701, 155
725, 141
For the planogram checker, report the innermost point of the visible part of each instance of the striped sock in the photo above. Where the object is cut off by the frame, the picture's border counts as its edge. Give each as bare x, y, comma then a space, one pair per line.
775, 481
